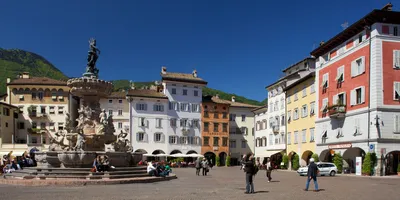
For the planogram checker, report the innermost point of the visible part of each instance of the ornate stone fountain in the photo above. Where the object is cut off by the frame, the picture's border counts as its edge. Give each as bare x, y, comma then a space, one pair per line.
77, 146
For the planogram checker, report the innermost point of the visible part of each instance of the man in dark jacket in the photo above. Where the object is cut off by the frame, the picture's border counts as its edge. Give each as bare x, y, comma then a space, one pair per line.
312, 174
197, 165
249, 169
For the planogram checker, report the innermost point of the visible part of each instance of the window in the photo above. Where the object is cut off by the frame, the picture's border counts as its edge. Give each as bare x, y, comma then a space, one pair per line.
312, 87
120, 101
216, 127
157, 137
244, 144
339, 99
173, 91
295, 95
232, 144
141, 106
288, 100
120, 125
243, 130
304, 111
283, 122
119, 112
140, 137
216, 141
206, 141
173, 122
304, 136
142, 122
325, 81
225, 127
312, 134
40, 95
396, 59
396, 88
110, 101
358, 66
196, 93
206, 126
206, 114
185, 107
276, 106
60, 110
340, 74
224, 115
289, 138
51, 110
33, 95
158, 108
312, 108
282, 103
296, 134
184, 92
224, 141
385, 29
360, 38
243, 118
395, 31
158, 123
184, 140
195, 108
173, 105
232, 117
21, 125
304, 91
357, 96
173, 139
289, 115
324, 105
110, 112
216, 115
271, 142
60, 126
184, 123
296, 114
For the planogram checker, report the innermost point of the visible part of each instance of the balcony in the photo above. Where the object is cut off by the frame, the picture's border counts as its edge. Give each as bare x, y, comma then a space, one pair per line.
275, 129
337, 111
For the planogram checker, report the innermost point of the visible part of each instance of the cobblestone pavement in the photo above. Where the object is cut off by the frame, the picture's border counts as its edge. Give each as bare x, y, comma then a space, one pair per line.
221, 183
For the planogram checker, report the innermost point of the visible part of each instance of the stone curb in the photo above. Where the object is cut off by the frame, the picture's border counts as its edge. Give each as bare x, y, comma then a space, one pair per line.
352, 175
75, 182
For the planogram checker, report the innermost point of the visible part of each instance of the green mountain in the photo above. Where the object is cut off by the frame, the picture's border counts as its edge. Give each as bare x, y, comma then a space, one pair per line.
15, 61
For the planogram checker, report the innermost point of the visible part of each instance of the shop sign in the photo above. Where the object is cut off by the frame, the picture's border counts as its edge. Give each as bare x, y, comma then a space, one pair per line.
340, 146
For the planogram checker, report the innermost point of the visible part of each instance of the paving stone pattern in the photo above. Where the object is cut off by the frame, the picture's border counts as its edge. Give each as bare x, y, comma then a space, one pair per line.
222, 183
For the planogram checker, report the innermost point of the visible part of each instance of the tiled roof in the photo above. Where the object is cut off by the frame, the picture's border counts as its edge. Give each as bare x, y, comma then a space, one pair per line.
232, 104
37, 81
9, 105
181, 77
120, 95
146, 93
264, 107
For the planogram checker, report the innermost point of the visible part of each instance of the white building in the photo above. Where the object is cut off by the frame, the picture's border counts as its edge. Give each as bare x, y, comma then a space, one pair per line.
261, 132
118, 106
241, 129
149, 121
184, 92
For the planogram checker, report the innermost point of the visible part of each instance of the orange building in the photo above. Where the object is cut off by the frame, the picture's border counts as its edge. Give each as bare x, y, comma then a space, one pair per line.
215, 132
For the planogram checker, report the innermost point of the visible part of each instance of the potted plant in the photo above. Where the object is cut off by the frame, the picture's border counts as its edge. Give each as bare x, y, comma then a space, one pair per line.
398, 169
228, 161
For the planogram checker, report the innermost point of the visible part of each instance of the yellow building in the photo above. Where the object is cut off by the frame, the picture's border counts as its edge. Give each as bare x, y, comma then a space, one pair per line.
8, 115
300, 104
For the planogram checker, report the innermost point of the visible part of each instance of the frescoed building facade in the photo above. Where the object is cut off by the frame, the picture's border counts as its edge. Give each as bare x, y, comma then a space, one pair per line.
358, 91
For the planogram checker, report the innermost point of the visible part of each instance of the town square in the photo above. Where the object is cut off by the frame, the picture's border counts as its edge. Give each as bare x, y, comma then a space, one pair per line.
197, 100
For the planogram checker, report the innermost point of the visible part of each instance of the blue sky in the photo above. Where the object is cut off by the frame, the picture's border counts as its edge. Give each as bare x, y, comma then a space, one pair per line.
237, 46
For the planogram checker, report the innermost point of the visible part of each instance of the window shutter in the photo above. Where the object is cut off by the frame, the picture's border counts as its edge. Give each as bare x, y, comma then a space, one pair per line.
137, 106
396, 59
162, 108
344, 99
362, 67
362, 94
353, 68
396, 88
154, 107
353, 97
146, 122
145, 137
145, 106
137, 136
335, 99
396, 123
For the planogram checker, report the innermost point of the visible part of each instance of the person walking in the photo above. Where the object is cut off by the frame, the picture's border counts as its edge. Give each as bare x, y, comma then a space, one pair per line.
269, 170
312, 174
197, 165
204, 165
249, 169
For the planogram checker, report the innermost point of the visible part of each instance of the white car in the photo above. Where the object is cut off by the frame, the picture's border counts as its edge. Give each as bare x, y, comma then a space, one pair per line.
325, 169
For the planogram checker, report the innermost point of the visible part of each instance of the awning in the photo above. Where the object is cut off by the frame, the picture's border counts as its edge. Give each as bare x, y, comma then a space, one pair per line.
267, 154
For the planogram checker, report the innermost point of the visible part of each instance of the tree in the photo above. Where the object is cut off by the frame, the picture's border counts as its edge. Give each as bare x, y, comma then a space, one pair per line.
315, 156
367, 166
228, 161
295, 162
285, 161
217, 161
338, 160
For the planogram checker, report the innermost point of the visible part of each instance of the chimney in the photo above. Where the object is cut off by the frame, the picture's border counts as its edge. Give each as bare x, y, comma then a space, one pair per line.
387, 7
8, 80
163, 70
217, 96
321, 43
194, 73
25, 75
233, 98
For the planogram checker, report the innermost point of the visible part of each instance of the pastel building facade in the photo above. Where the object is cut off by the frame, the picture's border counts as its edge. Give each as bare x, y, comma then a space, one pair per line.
261, 132
358, 86
117, 105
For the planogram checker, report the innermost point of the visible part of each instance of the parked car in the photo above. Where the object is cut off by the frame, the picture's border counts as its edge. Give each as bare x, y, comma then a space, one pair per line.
325, 169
